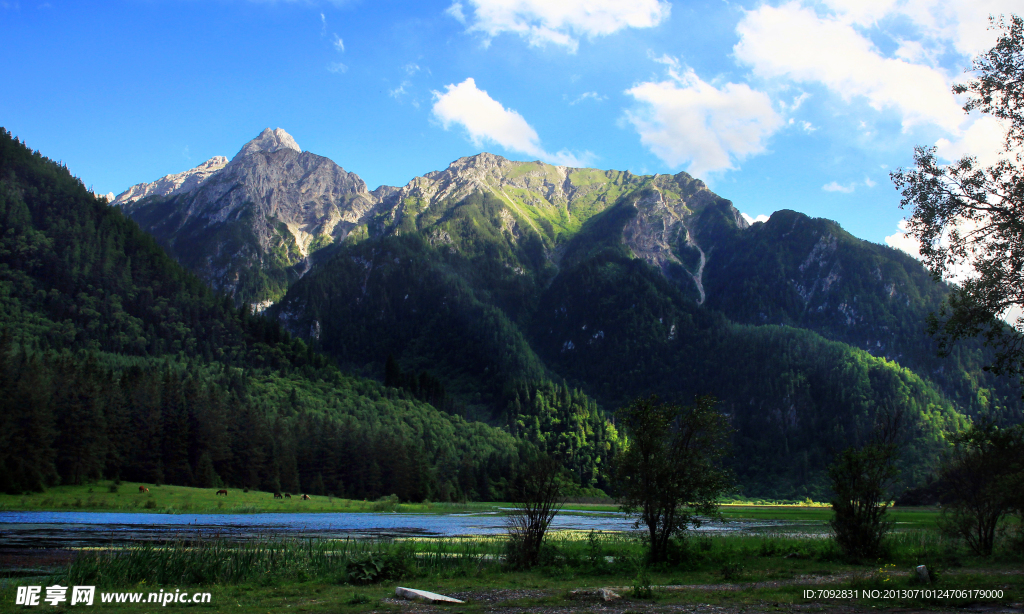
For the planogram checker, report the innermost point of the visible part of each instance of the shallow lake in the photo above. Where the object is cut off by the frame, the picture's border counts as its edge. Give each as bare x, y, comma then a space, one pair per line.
84, 529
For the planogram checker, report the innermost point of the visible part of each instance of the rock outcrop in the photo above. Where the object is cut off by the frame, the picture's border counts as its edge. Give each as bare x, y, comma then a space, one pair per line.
172, 184
250, 226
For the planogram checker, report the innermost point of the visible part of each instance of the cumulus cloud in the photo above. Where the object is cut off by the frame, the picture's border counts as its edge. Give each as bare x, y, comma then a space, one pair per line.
487, 121
560, 23
684, 119
794, 42
984, 139
902, 241
959, 24
752, 220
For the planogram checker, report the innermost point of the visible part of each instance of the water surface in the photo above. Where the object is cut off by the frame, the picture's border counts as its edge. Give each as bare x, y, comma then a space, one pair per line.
85, 529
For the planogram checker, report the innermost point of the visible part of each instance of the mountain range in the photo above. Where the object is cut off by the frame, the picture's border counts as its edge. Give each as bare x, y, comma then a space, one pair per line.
494, 289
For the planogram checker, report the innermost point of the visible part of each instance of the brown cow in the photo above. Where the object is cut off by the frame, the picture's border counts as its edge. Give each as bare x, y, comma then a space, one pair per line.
287, 495
222, 492
277, 495
305, 497
143, 489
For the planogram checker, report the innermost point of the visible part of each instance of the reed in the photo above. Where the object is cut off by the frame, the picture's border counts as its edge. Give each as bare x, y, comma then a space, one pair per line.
205, 560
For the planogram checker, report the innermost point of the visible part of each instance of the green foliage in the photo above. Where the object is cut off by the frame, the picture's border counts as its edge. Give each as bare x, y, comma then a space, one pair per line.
537, 493
669, 474
617, 328
115, 362
983, 479
966, 216
809, 273
860, 479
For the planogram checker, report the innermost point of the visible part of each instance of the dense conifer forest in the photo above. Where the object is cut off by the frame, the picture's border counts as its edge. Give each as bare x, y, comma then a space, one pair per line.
115, 362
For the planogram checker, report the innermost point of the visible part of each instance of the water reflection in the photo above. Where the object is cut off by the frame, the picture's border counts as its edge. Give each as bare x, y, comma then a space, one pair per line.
85, 529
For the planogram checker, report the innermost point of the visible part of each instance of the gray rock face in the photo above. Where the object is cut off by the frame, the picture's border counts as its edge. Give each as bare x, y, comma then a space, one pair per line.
250, 226
171, 184
308, 193
667, 226
270, 141
260, 214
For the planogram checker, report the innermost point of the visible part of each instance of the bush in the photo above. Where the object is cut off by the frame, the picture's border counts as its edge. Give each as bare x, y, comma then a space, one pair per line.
861, 480
538, 495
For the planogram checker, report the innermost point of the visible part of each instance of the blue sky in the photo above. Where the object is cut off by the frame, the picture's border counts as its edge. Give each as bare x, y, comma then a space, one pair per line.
795, 105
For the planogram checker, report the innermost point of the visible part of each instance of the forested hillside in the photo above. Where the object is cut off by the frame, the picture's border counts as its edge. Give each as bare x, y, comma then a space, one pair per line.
461, 297
536, 299
116, 362
810, 273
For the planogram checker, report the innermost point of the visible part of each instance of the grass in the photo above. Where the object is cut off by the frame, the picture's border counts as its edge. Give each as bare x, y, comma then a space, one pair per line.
102, 496
737, 571
734, 571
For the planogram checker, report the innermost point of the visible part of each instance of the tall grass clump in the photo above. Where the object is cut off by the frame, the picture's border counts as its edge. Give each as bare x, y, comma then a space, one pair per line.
216, 561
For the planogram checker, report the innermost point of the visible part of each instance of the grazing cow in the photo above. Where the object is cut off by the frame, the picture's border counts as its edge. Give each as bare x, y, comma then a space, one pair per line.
143, 489
222, 492
305, 497
277, 495
287, 495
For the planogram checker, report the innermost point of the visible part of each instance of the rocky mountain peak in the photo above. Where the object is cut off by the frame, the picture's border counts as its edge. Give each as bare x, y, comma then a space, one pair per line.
270, 141
169, 185
482, 160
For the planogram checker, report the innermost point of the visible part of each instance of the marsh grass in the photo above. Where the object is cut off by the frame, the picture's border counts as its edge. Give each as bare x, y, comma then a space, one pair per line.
200, 561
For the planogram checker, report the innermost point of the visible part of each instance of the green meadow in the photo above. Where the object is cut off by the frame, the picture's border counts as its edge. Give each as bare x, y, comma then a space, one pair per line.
742, 572
734, 573
106, 496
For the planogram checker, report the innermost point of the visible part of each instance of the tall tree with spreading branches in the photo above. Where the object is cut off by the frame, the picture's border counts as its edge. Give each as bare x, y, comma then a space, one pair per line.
670, 473
969, 218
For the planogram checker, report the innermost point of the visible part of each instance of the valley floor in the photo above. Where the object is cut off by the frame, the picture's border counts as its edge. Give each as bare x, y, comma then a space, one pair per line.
534, 593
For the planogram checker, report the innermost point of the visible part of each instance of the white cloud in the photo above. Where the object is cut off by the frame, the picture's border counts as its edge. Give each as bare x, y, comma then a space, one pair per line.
793, 42
797, 101
984, 139
960, 24
398, 91
684, 119
338, 43
808, 127
588, 96
902, 241
336, 67
752, 220
869, 183
834, 186
560, 22
487, 121
455, 10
